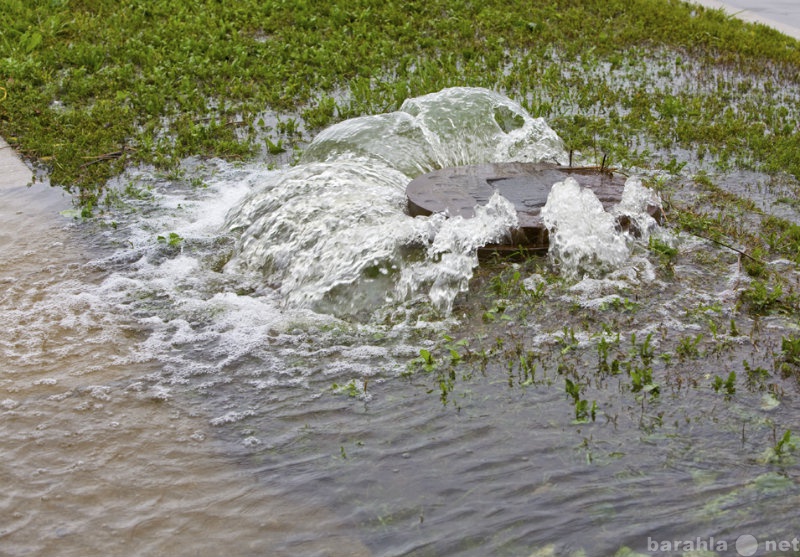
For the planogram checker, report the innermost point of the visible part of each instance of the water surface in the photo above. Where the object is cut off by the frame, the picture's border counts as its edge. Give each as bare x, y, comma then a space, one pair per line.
240, 366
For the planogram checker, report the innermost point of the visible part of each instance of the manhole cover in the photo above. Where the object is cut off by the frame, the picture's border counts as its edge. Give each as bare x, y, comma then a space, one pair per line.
459, 189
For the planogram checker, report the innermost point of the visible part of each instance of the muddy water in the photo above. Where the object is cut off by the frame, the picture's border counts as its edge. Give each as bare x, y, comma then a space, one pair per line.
162, 394
93, 465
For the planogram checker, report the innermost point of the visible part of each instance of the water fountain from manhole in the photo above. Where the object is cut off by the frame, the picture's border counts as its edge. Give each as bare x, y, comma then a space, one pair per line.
456, 191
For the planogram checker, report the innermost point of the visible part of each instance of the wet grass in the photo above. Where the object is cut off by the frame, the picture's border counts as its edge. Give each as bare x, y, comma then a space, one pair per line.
685, 94
715, 329
90, 87
616, 364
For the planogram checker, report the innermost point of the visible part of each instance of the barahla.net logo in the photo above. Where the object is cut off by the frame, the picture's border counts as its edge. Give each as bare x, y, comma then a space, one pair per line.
697, 544
745, 545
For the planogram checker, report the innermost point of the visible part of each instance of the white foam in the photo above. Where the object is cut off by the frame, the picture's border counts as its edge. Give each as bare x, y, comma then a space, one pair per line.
583, 236
453, 253
329, 235
585, 239
635, 204
332, 233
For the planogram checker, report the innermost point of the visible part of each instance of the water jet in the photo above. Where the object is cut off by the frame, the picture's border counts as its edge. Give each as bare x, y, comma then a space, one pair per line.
457, 190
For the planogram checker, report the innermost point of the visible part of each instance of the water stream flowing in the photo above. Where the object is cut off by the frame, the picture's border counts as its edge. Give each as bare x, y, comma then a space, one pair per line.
333, 230
240, 368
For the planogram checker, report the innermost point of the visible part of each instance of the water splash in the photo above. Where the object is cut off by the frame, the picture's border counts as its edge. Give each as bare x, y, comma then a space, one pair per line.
636, 202
456, 126
584, 237
453, 254
317, 228
332, 233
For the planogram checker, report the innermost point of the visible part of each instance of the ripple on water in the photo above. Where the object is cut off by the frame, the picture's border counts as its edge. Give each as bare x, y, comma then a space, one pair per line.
173, 399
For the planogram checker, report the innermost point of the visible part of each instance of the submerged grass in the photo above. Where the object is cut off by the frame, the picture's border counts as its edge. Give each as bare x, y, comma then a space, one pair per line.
94, 86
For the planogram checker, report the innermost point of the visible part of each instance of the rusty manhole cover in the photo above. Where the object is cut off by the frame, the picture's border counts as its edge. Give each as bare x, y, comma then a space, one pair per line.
459, 189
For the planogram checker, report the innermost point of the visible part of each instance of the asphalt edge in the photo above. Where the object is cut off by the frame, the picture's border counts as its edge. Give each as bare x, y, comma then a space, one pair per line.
749, 17
13, 172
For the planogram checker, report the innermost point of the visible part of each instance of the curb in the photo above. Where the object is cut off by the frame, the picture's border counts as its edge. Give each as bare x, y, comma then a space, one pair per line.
13, 172
749, 17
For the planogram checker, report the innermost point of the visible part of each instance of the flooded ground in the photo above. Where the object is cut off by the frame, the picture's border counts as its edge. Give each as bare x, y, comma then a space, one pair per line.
93, 464
194, 373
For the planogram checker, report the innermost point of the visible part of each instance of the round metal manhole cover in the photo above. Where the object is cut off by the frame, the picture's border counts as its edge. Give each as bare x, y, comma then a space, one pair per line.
458, 190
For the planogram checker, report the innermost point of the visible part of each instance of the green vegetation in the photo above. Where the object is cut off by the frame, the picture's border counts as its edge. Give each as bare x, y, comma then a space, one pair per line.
89, 87
727, 385
665, 252
785, 444
790, 357
689, 94
583, 411
782, 450
353, 388
173, 240
612, 357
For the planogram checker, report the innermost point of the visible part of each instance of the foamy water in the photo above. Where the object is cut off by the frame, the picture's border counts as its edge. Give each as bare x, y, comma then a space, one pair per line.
584, 237
186, 376
333, 233
269, 257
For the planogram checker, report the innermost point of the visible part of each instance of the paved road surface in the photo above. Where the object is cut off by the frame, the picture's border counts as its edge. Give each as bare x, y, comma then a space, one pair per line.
783, 15
783, 11
13, 173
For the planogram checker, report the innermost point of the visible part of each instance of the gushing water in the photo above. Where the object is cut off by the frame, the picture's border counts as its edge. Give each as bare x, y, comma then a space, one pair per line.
192, 329
584, 237
332, 233
635, 204
453, 254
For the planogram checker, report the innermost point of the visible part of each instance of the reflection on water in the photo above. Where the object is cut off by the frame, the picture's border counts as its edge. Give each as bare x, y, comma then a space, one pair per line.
158, 400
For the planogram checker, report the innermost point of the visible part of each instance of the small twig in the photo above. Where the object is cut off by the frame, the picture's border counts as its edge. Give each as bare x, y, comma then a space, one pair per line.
106, 156
609, 170
730, 247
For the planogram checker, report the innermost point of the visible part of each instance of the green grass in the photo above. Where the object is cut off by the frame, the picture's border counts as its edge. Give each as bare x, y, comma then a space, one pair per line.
93, 86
